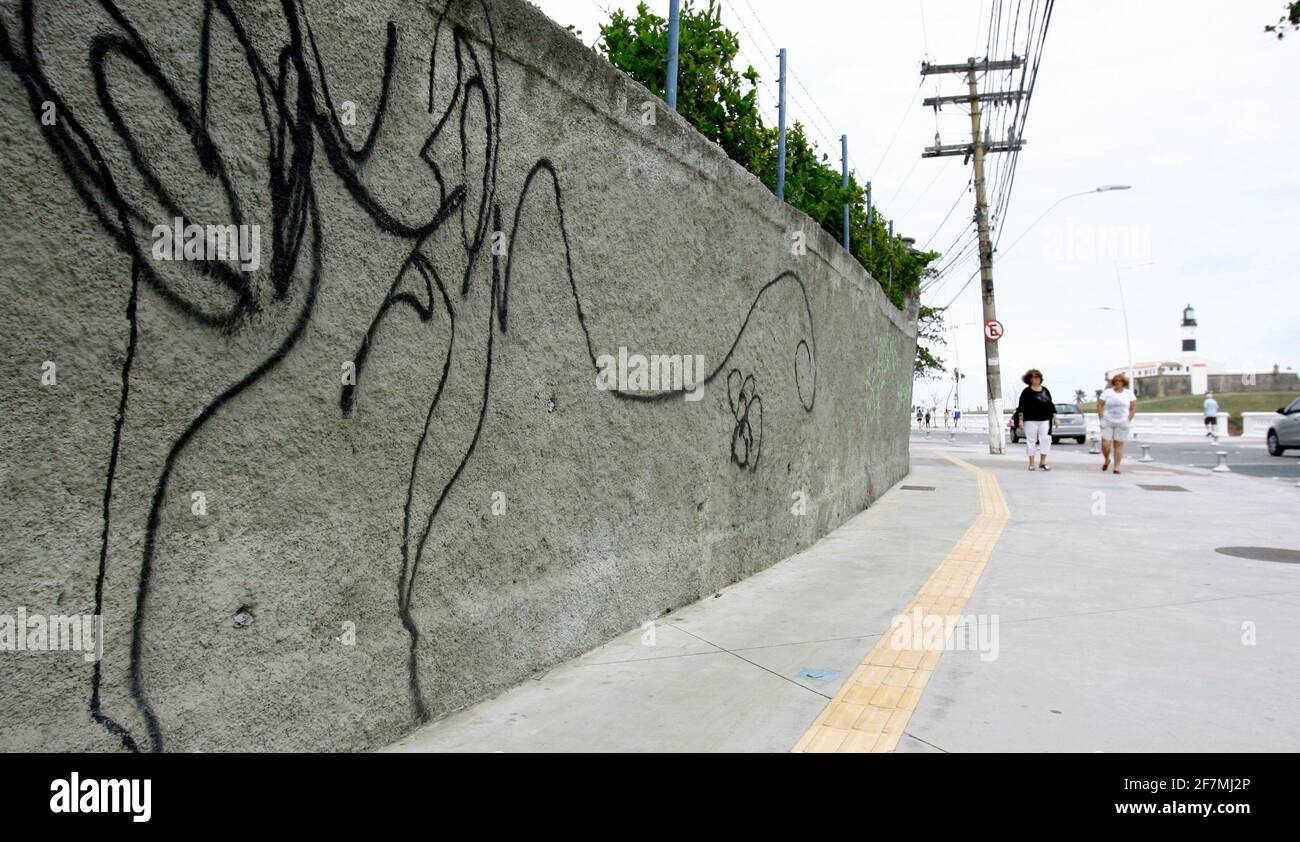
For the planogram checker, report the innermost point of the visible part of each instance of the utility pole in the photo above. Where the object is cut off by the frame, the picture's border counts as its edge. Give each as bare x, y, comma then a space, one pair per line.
976, 150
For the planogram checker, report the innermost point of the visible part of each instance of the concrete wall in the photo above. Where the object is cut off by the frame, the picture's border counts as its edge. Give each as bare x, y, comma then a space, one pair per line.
1261, 381
1164, 385
1181, 384
285, 560
1255, 425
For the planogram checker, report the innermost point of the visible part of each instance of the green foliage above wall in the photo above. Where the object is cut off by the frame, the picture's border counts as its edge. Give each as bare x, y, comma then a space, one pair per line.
722, 103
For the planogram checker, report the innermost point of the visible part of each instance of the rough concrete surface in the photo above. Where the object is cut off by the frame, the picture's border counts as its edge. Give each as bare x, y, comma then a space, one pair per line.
372, 480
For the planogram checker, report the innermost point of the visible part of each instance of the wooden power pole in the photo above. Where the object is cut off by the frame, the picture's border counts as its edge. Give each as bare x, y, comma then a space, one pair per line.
977, 149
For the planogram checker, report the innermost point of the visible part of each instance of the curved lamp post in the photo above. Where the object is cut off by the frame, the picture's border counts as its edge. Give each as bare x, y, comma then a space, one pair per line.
1123, 310
1106, 188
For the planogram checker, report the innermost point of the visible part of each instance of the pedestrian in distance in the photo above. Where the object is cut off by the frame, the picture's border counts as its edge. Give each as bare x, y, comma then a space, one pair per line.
920, 417
1211, 414
1036, 412
1115, 410
927, 419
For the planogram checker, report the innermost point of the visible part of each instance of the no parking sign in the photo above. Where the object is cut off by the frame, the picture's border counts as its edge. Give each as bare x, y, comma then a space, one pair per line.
993, 330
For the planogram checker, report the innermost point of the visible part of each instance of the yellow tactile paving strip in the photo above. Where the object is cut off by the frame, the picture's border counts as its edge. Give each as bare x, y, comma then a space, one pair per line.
872, 708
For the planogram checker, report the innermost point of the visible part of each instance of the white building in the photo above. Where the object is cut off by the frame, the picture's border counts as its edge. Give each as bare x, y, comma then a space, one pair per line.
1188, 363
1202, 374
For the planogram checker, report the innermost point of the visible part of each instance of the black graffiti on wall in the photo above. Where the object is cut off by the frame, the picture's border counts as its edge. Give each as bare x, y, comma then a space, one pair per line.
747, 409
297, 111
122, 213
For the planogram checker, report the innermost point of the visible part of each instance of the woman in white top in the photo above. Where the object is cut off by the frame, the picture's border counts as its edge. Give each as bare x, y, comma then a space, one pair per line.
1115, 409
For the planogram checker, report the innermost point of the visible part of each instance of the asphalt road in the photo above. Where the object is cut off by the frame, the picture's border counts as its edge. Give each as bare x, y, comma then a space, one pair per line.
1244, 457
1250, 457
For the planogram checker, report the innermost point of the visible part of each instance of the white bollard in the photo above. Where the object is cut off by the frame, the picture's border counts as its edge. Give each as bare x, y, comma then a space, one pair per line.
1222, 467
1146, 454
1095, 447
952, 435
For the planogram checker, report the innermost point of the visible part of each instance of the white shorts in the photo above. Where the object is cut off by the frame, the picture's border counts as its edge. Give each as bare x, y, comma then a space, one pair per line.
1114, 430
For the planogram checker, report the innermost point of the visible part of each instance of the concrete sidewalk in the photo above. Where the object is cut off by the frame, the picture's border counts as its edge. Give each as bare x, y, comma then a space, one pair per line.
1118, 628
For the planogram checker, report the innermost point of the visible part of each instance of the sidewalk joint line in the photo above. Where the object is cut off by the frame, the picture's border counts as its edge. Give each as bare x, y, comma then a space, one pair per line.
651, 658
752, 664
927, 742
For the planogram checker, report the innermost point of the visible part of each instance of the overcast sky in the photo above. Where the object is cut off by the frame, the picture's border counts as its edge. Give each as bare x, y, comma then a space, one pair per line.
1189, 102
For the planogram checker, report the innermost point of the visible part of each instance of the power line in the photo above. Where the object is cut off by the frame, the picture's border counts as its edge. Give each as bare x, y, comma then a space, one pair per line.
938, 174
952, 260
939, 278
810, 121
1033, 78
925, 36
900, 187
942, 275
760, 25
940, 281
963, 288
947, 215
964, 232
901, 120
829, 123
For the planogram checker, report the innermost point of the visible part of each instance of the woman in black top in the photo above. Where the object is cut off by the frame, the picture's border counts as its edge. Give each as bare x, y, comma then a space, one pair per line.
1036, 411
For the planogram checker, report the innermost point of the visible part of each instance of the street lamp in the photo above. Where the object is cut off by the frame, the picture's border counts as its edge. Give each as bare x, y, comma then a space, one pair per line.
1123, 309
1105, 188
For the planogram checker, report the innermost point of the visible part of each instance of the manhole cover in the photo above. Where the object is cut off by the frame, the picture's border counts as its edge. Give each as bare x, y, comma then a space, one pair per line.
918, 488
1162, 487
1262, 554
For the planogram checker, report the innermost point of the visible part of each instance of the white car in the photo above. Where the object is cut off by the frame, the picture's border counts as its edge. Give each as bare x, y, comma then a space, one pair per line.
1284, 433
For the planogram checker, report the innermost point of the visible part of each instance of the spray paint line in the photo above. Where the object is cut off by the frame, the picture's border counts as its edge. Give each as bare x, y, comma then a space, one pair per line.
872, 708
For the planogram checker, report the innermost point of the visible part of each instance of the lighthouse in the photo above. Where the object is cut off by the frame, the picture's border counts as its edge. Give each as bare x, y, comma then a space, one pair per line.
1189, 330
1197, 366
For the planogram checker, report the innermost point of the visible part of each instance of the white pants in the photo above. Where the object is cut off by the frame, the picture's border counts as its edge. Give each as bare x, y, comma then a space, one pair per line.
1038, 437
